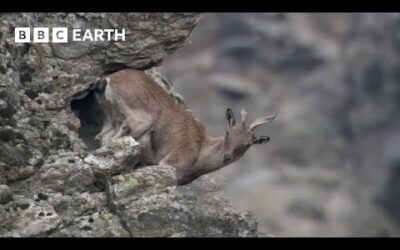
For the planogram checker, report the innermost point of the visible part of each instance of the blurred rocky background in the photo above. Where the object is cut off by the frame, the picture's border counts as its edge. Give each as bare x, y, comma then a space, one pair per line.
332, 167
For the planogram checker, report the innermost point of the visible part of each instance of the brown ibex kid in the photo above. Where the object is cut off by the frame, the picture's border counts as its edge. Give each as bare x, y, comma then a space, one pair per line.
136, 105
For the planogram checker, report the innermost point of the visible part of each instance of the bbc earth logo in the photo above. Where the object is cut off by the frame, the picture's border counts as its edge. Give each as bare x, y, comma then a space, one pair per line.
64, 35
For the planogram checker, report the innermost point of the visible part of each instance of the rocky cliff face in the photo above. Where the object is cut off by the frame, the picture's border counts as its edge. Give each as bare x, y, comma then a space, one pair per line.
55, 181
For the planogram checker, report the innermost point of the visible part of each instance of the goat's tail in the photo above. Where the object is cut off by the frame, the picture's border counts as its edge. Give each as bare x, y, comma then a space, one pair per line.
100, 84
97, 86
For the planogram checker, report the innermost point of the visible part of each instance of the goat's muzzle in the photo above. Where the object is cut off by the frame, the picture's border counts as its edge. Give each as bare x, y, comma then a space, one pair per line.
227, 158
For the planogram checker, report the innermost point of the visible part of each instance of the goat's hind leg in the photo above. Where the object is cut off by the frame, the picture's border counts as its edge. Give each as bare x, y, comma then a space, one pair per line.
112, 132
107, 127
139, 123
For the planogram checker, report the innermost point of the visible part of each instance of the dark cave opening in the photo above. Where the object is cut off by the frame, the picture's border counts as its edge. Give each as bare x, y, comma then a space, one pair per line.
91, 117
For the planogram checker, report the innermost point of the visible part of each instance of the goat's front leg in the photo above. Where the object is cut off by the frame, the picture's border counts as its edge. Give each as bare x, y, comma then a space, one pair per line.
183, 163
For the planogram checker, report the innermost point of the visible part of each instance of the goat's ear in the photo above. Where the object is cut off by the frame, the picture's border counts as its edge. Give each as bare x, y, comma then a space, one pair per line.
230, 118
261, 139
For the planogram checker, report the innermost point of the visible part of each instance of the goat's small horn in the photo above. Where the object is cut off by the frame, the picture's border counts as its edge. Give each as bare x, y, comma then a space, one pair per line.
244, 116
262, 120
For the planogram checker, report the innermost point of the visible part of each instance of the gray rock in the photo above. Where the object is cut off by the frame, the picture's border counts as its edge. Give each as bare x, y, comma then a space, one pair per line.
20, 173
5, 194
112, 158
65, 173
125, 188
78, 204
149, 203
95, 225
21, 202
38, 220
